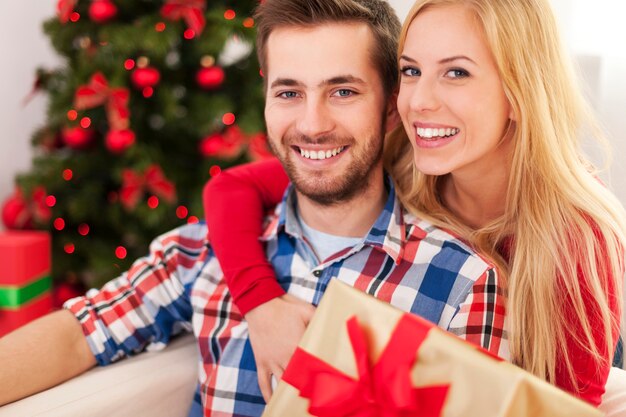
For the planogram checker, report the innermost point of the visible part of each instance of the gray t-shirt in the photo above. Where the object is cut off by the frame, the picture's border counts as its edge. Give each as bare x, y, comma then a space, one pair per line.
324, 245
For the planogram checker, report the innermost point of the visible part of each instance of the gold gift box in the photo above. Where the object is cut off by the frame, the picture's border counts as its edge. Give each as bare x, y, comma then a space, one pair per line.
479, 384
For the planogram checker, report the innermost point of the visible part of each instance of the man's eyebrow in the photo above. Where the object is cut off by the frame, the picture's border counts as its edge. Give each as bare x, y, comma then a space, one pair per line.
443, 61
285, 82
342, 79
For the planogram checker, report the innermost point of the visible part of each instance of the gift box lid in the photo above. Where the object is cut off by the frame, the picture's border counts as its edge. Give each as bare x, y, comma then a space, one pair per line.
24, 256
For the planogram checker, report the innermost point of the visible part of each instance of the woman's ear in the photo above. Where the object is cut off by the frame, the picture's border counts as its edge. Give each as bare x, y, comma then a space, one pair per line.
392, 116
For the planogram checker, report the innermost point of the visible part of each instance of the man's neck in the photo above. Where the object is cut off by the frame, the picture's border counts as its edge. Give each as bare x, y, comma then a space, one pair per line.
353, 218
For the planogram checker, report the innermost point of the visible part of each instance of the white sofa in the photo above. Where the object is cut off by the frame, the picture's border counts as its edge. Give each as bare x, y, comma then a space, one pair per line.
161, 384
155, 384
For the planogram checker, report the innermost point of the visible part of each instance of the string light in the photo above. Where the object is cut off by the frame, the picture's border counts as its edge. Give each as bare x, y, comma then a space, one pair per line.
214, 170
129, 64
121, 252
181, 212
153, 202
228, 119
72, 115
248, 22
68, 174
229, 14
74, 17
83, 229
189, 34
59, 224
159, 27
69, 248
51, 201
192, 219
85, 122
147, 92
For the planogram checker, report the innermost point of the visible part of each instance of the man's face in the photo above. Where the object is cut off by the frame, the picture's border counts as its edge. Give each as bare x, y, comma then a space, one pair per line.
325, 109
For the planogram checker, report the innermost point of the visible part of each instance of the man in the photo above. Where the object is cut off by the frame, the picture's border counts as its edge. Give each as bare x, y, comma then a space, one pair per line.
329, 88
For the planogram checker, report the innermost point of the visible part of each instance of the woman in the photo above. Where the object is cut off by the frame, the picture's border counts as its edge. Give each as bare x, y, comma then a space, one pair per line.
490, 150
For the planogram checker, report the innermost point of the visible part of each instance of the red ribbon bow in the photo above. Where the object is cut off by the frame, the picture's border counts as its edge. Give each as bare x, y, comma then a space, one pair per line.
382, 390
134, 184
97, 93
190, 10
65, 8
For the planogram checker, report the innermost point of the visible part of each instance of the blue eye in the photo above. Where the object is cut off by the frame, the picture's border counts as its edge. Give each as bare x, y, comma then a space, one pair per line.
288, 94
411, 72
344, 92
457, 73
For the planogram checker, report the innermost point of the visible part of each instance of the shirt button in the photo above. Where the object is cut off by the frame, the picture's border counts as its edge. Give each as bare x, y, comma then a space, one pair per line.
317, 273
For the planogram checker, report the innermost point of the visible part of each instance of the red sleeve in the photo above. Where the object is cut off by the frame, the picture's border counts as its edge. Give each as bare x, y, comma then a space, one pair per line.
235, 203
590, 377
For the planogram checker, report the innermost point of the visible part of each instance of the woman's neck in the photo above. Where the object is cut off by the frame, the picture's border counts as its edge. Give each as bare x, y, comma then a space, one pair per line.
476, 200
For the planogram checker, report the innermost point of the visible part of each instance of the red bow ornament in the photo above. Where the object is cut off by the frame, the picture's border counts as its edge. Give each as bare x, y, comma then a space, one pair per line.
381, 390
98, 93
190, 10
65, 8
135, 184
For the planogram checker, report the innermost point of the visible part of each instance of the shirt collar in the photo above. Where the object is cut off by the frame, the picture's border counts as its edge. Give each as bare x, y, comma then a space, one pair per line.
388, 232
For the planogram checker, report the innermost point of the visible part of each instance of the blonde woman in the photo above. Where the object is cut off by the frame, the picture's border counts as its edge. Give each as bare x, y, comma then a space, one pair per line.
490, 150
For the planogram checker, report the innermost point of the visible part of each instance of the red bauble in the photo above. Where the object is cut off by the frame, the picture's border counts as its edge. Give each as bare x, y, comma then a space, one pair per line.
15, 213
63, 292
101, 11
117, 141
227, 145
145, 77
77, 137
211, 77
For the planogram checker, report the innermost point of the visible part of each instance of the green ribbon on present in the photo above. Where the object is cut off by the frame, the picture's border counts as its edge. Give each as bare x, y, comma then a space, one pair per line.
14, 297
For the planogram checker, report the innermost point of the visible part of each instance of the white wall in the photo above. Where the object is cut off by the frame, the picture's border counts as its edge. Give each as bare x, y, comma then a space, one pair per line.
23, 48
595, 32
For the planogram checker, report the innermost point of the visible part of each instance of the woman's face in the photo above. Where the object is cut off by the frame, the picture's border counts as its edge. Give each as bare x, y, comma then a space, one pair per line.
451, 99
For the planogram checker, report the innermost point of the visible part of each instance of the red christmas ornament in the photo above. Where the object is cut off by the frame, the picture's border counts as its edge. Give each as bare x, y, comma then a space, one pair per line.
211, 77
258, 148
101, 11
15, 212
226, 145
63, 292
77, 137
145, 77
117, 141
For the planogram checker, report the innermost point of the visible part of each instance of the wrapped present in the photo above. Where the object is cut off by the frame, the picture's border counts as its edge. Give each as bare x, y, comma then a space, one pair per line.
362, 357
25, 283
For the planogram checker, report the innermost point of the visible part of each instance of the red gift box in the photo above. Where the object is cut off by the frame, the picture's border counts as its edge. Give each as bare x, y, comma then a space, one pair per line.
25, 283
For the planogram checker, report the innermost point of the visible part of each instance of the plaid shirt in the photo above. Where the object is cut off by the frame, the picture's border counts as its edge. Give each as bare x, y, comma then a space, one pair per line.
179, 286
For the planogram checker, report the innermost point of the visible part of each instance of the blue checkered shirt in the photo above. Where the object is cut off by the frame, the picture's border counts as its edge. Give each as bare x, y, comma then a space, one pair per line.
179, 287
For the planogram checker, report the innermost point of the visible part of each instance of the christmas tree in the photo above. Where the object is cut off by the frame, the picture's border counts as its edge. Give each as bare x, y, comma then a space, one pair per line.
155, 97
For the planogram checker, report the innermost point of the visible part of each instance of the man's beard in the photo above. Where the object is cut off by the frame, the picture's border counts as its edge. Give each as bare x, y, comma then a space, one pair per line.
324, 186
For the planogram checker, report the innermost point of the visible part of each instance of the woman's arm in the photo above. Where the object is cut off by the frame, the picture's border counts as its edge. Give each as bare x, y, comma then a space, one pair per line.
235, 203
591, 376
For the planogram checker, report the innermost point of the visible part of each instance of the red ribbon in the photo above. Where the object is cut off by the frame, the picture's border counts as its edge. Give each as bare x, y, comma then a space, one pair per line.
382, 390
98, 93
134, 184
190, 10
65, 8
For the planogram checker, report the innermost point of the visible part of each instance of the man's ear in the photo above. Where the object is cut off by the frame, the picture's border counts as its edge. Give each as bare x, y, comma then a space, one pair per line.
391, 114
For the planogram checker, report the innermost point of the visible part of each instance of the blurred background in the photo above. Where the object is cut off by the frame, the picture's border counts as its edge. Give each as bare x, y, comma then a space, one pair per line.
593, 30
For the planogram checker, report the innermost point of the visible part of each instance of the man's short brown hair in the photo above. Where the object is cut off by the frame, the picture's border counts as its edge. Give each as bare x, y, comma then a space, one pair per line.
378, 15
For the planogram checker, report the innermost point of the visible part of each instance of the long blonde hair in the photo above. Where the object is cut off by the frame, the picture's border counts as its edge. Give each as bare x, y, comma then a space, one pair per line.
568, 230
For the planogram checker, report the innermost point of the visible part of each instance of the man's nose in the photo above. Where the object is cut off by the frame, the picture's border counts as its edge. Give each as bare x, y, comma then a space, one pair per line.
316, 119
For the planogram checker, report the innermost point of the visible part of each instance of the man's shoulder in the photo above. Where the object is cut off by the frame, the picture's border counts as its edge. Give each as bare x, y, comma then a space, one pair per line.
193, 235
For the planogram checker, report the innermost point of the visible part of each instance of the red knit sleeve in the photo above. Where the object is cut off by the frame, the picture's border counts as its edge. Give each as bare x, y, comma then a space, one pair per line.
591, 377
235, 203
